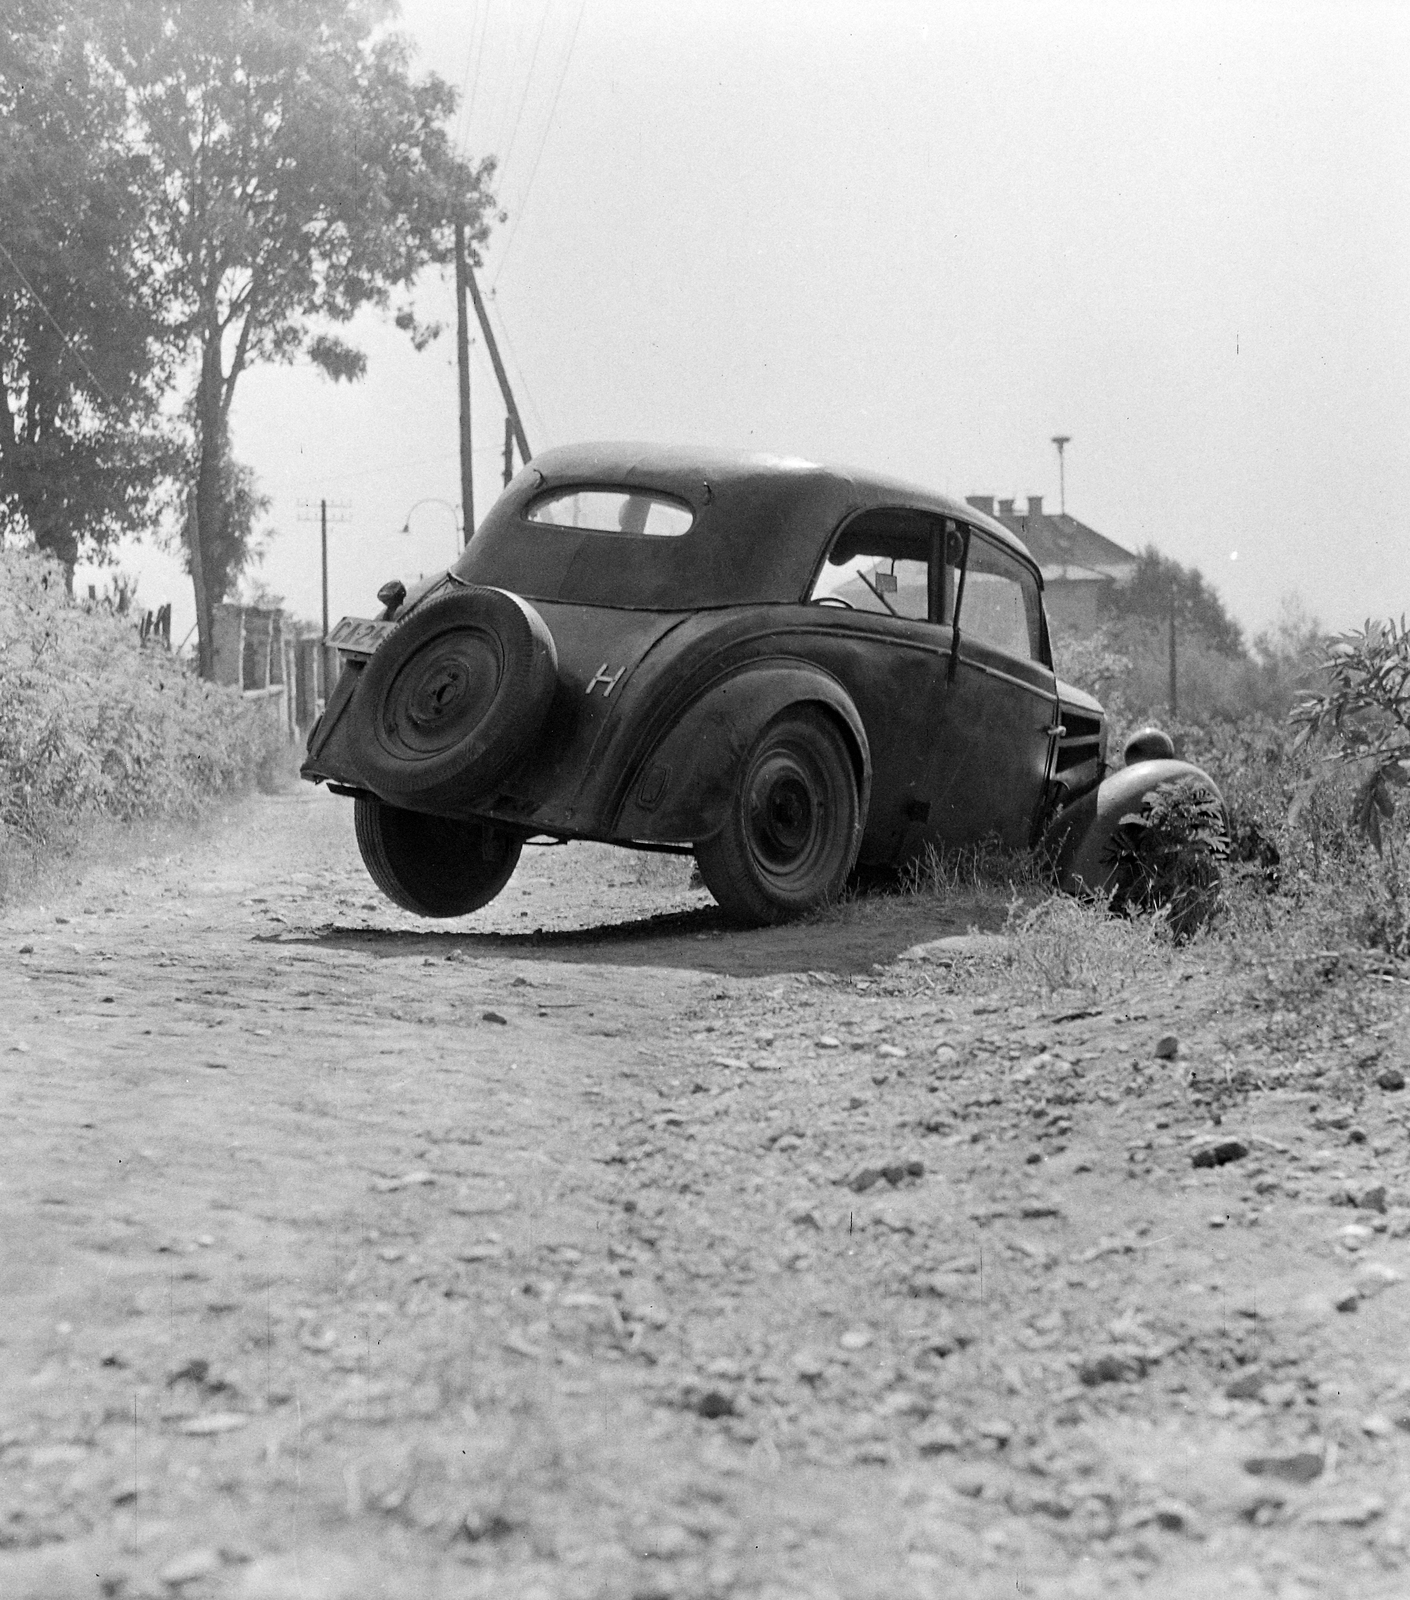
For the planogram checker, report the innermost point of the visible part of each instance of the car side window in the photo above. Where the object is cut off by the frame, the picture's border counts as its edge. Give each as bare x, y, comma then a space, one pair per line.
889, 585
892, 563
999, 604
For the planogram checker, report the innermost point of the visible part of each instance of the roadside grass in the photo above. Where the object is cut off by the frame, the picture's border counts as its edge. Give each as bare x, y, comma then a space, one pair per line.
1052, 944
1309, 908
96, 727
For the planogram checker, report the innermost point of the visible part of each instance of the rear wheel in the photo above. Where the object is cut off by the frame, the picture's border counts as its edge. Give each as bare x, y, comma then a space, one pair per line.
794, 823
434, 866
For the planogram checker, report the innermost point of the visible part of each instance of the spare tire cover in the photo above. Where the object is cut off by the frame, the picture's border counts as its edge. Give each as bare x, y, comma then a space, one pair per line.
453, 696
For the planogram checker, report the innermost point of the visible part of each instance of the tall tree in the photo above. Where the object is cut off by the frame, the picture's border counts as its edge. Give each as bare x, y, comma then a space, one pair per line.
1161, 587
82, 340
303, 174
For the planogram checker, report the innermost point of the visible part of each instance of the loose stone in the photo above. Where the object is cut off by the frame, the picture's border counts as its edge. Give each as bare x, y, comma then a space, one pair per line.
1219, 1155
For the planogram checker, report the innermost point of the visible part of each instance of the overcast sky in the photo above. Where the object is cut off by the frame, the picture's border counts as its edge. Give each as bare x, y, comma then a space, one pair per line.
921, 238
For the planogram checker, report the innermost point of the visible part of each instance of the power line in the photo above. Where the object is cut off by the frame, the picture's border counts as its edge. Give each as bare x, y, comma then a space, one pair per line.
473, 91
374, 472
460, 129
528, 82
547, 129
510, 54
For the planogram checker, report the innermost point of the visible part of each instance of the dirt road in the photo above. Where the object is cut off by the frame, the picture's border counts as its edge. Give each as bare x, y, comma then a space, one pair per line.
588, 1249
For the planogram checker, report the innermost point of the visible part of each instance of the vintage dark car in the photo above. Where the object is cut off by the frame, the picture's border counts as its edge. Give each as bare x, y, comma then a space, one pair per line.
787, 671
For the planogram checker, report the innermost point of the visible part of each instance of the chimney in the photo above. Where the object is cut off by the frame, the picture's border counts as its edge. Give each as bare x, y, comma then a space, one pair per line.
1005, 508
1035, 505
981, 502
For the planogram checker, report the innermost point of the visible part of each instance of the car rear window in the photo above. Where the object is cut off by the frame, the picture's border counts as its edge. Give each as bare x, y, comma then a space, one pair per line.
612, 511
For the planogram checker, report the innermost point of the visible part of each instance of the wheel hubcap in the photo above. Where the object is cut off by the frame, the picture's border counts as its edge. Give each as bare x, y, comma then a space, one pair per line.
785, 814
441, 694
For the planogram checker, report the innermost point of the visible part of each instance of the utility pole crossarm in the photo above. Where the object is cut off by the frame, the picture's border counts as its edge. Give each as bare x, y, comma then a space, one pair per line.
499, 371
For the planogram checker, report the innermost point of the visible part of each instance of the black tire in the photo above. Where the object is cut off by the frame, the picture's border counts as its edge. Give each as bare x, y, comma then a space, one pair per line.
794, 823
453, 697
434, 866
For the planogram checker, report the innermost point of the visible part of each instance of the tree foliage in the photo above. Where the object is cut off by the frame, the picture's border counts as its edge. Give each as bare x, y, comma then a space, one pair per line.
1366, 711
82, 336
302, 174
1161, 585
233, 543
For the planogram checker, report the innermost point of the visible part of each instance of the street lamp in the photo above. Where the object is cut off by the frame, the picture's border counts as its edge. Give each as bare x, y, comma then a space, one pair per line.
1062, 440
434, 500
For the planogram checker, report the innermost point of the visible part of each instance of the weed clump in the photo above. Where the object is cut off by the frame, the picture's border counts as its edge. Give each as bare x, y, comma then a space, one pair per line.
1168, 856
95, 724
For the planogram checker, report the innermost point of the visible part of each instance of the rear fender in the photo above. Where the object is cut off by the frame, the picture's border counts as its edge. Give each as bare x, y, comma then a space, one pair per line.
1078, 841
683, 789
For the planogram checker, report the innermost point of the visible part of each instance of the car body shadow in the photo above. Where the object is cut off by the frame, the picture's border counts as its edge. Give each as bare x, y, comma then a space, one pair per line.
845, 940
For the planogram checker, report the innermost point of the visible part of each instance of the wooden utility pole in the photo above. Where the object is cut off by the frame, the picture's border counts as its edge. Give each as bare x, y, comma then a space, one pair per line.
323, 546
462, 351
499, 371
205, 611
508, 451
327, 511
1174, 700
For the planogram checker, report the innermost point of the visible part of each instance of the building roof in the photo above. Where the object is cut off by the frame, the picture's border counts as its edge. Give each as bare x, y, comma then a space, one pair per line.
1061, 545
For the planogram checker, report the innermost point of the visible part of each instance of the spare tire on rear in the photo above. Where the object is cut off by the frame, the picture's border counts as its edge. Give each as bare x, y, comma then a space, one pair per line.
453, 697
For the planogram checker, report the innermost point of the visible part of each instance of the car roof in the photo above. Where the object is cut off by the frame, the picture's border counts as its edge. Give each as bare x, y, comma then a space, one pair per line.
761, 524
683, 468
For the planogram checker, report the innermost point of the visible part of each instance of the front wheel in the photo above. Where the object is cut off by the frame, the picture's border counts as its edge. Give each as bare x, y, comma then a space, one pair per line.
434, 866
794, 823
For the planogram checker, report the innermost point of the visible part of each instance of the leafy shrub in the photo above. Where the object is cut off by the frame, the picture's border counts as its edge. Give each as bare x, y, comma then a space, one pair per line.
1168, 856
1365, 712
93, 723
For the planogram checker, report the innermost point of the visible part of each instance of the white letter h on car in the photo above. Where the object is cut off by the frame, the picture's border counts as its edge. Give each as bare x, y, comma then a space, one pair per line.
603, 677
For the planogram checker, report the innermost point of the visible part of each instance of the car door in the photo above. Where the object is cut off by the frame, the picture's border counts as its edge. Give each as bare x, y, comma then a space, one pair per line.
887, 592
994, 733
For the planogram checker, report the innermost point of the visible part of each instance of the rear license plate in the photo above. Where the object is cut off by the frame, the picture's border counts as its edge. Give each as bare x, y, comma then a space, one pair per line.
359, 635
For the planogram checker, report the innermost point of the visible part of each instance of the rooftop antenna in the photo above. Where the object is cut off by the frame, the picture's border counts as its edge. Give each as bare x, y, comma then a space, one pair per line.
1061, 440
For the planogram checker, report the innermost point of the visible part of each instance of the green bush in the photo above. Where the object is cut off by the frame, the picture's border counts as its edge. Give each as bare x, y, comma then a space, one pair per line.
1168, 857
1364, 710
95, 724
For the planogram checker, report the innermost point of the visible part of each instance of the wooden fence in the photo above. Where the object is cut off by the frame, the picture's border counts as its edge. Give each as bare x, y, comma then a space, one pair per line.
257, 650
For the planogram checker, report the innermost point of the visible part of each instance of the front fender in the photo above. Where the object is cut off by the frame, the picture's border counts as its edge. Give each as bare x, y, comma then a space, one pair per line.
1078, 840
684, 787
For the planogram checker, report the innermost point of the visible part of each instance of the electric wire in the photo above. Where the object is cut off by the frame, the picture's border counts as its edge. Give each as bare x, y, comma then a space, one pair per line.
475, 81
528, 82
500, 109
459, 141
472, 81
547, 129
